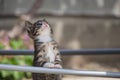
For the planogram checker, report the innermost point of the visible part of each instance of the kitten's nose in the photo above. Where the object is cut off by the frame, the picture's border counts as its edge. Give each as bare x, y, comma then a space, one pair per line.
45, 25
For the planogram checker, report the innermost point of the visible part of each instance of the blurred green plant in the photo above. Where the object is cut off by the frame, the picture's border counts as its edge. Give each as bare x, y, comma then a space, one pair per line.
2, 46
15, 60
17, 44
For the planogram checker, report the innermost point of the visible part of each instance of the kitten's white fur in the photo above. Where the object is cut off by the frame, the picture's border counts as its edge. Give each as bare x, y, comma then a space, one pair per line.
44, 38
48, 65
51, 65
50, 54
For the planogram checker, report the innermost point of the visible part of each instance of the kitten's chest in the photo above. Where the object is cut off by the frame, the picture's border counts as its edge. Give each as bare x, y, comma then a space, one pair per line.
50, 53
44, 38
46, 52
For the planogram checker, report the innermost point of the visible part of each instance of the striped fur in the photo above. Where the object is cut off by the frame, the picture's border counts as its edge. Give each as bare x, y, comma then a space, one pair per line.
46, 53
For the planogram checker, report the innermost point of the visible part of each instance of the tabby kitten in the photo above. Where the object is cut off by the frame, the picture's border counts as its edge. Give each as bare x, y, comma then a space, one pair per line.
46, 53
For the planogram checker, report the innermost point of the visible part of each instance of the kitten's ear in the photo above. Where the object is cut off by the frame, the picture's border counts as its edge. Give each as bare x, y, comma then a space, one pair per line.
28, 25
45, 20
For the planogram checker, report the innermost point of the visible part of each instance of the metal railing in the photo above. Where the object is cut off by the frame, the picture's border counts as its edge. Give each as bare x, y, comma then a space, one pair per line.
62, 71
66, 52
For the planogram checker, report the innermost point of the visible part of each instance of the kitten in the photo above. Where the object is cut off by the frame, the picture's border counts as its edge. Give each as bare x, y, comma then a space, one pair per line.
46, 53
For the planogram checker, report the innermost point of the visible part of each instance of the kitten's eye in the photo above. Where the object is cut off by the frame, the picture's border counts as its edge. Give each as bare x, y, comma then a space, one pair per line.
39, 23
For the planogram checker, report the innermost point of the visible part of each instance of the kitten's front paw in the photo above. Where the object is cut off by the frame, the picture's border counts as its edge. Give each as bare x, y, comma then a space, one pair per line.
58, 66
49, 65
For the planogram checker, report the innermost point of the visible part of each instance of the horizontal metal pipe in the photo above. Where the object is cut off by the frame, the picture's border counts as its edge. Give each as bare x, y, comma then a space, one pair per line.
59, 71
66, 52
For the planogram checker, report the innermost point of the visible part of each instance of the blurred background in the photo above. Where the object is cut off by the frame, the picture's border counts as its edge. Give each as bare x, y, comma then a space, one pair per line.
77, 24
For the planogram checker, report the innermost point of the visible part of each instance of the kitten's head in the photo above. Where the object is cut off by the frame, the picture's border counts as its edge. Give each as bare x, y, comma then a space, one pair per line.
39, 28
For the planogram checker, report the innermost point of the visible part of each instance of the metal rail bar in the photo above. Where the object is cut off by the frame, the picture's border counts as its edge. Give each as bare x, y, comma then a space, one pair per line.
66, 52
60, 71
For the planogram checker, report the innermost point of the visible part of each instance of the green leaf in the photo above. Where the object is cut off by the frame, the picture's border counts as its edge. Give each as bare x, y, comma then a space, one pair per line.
16, 60
5, 61
2, 46
17, 75
5, 73
17, 44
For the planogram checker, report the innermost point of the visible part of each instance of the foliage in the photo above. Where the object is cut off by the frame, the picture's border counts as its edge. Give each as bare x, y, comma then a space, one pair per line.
17, 44
2, 46
15, 60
